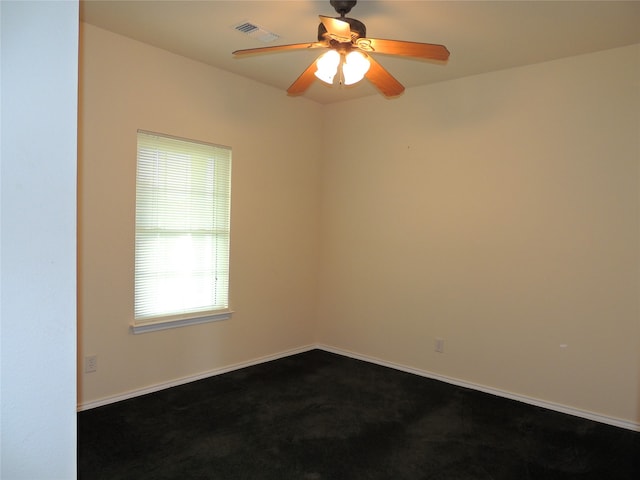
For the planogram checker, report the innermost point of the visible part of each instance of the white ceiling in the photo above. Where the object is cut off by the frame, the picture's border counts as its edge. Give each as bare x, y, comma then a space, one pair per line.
482, 36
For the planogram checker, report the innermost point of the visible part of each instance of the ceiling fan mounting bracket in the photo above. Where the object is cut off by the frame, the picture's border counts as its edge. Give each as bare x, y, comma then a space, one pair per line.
343, 7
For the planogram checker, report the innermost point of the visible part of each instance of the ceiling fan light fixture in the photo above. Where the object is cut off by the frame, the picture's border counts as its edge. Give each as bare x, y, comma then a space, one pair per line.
355, 67
327, 65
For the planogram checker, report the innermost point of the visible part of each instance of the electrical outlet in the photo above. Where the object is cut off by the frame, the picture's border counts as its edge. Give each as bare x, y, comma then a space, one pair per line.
439, 345
90, 363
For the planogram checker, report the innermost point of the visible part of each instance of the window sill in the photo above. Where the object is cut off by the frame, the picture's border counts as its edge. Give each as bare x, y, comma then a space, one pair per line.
180, 322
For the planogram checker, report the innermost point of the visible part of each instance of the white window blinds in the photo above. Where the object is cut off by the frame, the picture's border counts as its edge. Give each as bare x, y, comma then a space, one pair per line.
183, 197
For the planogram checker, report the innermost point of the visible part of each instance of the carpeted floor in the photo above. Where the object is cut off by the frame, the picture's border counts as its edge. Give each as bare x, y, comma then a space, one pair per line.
318, 415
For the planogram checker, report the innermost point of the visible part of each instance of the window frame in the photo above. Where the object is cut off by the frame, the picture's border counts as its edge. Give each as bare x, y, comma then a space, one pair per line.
195, 315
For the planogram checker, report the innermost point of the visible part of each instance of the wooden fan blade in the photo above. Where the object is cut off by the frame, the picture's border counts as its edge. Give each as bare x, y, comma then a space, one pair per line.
427, 51
383, 80
280, 48
337, 29
304, 81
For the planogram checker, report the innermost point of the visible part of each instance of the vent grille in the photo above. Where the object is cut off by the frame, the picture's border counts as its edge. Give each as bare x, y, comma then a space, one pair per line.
256, 31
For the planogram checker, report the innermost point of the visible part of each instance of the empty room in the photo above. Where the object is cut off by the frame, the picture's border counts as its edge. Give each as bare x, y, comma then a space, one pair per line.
431, 273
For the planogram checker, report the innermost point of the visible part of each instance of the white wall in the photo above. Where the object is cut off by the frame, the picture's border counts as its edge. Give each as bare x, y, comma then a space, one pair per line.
499, 212
38, 239
125, 86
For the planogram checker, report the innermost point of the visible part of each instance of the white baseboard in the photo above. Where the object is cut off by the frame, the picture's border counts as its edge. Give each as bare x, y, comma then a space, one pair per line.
191, 378
616, 422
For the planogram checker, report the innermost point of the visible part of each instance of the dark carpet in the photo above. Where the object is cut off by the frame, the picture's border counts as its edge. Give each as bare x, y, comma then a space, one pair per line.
318, 415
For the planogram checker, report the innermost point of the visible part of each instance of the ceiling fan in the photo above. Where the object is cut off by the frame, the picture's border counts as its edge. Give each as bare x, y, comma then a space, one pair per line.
349, 56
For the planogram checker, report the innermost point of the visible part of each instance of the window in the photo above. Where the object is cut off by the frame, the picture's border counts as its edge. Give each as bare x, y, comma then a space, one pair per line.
183, 198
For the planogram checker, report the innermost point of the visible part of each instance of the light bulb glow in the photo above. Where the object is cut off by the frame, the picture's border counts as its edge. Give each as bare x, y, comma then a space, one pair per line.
328, 66
355, 67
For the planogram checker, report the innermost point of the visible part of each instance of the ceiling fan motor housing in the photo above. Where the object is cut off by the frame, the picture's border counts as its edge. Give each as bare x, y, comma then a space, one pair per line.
358, 29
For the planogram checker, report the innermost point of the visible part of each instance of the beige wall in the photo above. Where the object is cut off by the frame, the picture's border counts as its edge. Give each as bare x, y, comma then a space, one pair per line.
126, 85
499, 212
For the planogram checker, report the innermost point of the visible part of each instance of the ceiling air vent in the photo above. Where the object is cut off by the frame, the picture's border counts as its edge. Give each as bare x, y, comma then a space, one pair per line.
256, 31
